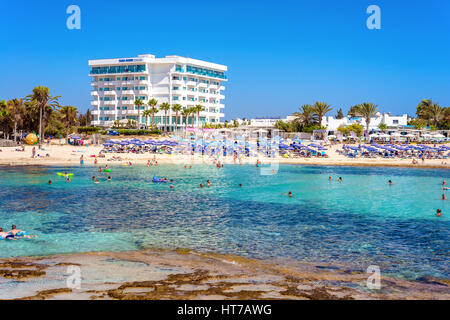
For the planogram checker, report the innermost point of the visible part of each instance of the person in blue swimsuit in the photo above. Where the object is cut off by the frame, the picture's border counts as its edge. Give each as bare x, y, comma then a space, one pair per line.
5, 235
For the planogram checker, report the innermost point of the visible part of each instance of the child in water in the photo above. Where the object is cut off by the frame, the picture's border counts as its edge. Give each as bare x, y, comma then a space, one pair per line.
438, 213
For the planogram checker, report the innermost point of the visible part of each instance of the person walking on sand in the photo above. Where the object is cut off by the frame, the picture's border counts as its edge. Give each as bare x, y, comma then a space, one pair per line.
33, 152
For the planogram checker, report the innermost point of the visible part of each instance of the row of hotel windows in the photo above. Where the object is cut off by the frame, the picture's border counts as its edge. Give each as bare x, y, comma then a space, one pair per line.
201, 71
122, 88
159, 120
119, 98
196, 89
123, 79
118, 69
217, 83
144, 98
142, 108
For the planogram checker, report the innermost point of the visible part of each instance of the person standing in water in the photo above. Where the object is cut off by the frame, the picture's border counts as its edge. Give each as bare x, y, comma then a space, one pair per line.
438, 213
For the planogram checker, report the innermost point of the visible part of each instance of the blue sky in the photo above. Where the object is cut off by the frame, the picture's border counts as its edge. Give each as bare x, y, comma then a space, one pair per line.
280, 54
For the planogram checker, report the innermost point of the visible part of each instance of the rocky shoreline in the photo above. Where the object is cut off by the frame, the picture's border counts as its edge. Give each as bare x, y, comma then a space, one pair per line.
182, 274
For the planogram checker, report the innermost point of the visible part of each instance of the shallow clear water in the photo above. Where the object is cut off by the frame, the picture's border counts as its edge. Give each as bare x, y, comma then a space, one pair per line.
360, 222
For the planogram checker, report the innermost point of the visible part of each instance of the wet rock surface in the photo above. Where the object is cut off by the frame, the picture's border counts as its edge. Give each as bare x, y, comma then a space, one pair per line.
182, 274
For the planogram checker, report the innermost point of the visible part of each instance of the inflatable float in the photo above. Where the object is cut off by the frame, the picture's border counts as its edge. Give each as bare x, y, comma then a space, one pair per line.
64, 174
106, 170
156, 179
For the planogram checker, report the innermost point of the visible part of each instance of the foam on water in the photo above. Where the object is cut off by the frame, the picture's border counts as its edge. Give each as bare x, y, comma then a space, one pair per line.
361, 221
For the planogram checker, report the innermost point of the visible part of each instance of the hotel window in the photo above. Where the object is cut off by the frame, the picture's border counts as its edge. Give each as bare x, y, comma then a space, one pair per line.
143, 78
175, 78
175, 98
124, 88
175, 88
118, 88
100, 89
124, 98
141, 88
395, 121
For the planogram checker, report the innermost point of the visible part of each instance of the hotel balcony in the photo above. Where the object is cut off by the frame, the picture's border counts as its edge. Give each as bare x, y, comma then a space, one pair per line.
202, 85
95, 103
128, 102
143, 91
109, 112
110, 83
133, 112
221, 88
94, 93
191, 83
177, 82
95, 112
109, 93
127, 92
96, 122
110, 103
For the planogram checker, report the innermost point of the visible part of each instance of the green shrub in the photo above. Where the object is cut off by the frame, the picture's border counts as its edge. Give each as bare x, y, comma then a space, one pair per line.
140, 132
88, 130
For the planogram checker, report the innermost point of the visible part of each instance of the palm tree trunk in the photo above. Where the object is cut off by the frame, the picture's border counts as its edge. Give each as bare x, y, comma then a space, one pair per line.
15, 131
40, 125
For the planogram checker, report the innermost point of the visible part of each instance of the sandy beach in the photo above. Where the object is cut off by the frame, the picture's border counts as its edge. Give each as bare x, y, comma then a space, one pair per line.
70, 155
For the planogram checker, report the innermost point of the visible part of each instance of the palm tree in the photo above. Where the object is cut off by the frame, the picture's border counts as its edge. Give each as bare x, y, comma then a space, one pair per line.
88, 117
165, 106
45, 102
320, 109
153, 109
197, 109
68, 118
139, 103
435, 112
147, 113
16, 110
176, 108
423, 109
306, 115
185, 113
367, 111
5, 118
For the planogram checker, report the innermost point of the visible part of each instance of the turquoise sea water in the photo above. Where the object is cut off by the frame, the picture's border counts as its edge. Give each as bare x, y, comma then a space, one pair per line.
360, 222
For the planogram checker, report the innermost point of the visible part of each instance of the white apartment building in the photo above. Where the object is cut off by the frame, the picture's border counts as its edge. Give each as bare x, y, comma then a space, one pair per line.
389, 120
117, 83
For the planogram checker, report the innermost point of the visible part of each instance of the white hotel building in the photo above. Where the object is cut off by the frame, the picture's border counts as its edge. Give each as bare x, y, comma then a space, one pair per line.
117, 83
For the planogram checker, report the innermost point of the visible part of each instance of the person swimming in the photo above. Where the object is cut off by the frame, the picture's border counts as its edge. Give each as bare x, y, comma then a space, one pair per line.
438, 213
109, 178
290, 195
444, 197
14, 232
390, 182
49, 181
240, 184
93, 178
340, 179
201, 185
171, 187
68, 179
5, 235
329, 178
96, 181
208, 183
